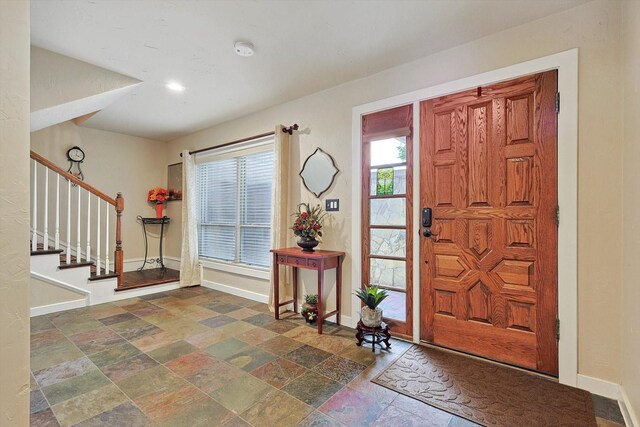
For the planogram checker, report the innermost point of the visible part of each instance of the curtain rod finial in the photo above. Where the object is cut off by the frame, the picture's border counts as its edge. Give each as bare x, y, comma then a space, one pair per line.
290, 129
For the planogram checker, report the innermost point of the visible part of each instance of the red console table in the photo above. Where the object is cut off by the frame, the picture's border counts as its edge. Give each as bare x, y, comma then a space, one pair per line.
318, 260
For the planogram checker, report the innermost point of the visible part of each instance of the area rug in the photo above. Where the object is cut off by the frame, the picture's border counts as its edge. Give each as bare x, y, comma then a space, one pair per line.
484, 392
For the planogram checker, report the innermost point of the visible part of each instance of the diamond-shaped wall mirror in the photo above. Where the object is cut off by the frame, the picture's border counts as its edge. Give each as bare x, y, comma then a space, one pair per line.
318, 172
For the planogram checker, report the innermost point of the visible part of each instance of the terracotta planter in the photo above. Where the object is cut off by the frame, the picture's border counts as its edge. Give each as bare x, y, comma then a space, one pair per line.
159, 210
371, 318
307, 243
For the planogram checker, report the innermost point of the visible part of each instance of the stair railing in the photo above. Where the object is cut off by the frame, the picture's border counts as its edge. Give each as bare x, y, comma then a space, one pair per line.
41, 163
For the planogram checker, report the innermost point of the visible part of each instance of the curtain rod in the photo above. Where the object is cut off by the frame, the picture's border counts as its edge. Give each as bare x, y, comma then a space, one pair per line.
288, 130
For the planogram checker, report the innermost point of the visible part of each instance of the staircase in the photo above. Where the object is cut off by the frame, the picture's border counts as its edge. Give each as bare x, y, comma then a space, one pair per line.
72, 236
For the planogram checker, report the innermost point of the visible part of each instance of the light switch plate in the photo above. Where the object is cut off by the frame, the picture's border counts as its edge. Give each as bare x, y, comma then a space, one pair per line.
332, 205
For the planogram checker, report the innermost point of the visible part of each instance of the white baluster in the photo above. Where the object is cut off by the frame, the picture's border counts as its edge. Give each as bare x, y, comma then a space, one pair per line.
68, 260
106, 238
46, 209
57, 233
98, 238
34, 237
88, 226
78, 247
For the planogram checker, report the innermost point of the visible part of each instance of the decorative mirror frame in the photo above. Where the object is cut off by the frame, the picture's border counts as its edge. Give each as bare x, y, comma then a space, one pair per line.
174, 181
333, 177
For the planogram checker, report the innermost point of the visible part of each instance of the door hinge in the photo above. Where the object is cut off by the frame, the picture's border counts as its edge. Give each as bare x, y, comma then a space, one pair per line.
558, 329
557, 102
558, 216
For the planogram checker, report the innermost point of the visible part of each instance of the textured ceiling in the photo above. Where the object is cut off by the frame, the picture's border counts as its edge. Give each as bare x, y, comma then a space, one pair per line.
301, 47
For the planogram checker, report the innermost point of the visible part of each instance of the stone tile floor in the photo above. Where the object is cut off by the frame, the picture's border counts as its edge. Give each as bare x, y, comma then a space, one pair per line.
198, 357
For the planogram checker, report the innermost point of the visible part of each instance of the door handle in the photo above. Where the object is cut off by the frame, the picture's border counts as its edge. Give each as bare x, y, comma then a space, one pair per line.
427, 217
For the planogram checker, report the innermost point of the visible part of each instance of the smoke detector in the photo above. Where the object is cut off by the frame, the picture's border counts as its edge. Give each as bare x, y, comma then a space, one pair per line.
243, 48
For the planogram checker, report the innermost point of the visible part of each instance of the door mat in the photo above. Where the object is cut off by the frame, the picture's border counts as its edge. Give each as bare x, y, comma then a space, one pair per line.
485, 392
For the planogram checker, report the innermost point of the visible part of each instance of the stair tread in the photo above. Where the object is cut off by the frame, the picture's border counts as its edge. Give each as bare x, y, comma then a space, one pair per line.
74, 263
46, 252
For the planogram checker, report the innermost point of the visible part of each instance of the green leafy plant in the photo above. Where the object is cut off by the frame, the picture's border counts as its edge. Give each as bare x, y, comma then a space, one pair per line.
311, 299
371, 296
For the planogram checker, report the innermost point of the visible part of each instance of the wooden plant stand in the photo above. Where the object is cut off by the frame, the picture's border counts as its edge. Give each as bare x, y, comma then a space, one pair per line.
373, 336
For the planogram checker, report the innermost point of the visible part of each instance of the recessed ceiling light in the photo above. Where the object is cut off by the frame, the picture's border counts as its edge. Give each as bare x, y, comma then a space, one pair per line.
175, 86
243, 48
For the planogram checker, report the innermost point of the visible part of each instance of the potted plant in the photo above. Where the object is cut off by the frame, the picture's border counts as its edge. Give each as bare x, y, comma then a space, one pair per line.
310, 308
371, 296
308, 225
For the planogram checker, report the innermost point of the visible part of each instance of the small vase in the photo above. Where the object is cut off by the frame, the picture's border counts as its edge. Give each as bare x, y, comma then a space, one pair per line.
158, 210
307, 243
371, 318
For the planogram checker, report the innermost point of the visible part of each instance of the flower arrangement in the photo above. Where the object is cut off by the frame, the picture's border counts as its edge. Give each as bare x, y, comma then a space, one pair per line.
158, 195
308, 221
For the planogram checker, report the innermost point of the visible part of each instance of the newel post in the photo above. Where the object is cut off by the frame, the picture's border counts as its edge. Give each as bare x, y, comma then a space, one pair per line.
119, 255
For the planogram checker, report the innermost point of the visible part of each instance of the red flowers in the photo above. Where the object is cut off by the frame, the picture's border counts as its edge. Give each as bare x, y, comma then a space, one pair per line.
157, 195
308, 221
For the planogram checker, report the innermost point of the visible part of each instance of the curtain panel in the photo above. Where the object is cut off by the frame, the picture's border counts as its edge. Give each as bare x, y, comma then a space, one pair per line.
189, 264
280, 199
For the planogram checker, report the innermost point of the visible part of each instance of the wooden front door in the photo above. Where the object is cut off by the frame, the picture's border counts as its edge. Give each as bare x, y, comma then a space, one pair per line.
489, 173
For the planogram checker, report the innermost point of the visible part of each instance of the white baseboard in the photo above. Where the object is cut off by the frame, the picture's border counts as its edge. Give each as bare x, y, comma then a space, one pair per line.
132, 264
61, 306
612, 391
254, 296
630, 417
599, 387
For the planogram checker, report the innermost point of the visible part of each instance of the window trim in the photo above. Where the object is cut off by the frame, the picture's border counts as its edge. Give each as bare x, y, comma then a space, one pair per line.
260, 145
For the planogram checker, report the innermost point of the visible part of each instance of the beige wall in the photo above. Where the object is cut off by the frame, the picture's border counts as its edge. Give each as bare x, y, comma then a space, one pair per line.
114, 163
325, 120
631, 292
43, 293
14, 213
57, 79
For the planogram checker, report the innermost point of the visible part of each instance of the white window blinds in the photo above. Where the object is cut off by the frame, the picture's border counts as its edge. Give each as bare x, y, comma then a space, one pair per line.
235, 207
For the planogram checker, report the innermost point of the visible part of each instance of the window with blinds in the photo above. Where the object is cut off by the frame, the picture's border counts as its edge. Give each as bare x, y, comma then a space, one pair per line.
234, 222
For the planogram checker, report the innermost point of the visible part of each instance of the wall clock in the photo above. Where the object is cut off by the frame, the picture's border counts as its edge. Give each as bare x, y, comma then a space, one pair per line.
75, 155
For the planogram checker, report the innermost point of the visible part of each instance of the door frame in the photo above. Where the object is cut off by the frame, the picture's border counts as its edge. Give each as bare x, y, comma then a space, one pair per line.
567, 65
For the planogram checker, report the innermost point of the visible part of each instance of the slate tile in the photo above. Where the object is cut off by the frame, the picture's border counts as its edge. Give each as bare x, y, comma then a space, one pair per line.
118, 318
114, 355
172, 351
278, 408
353, 408
63, 371
312, 388
150, 380
241, 393
96, 340
37, 402
279, 372
260, 319
227, 348
307, 356
75, 386
128, 367
88, 405
45, 418
250, 359
339, 369
126, 414
217, 321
